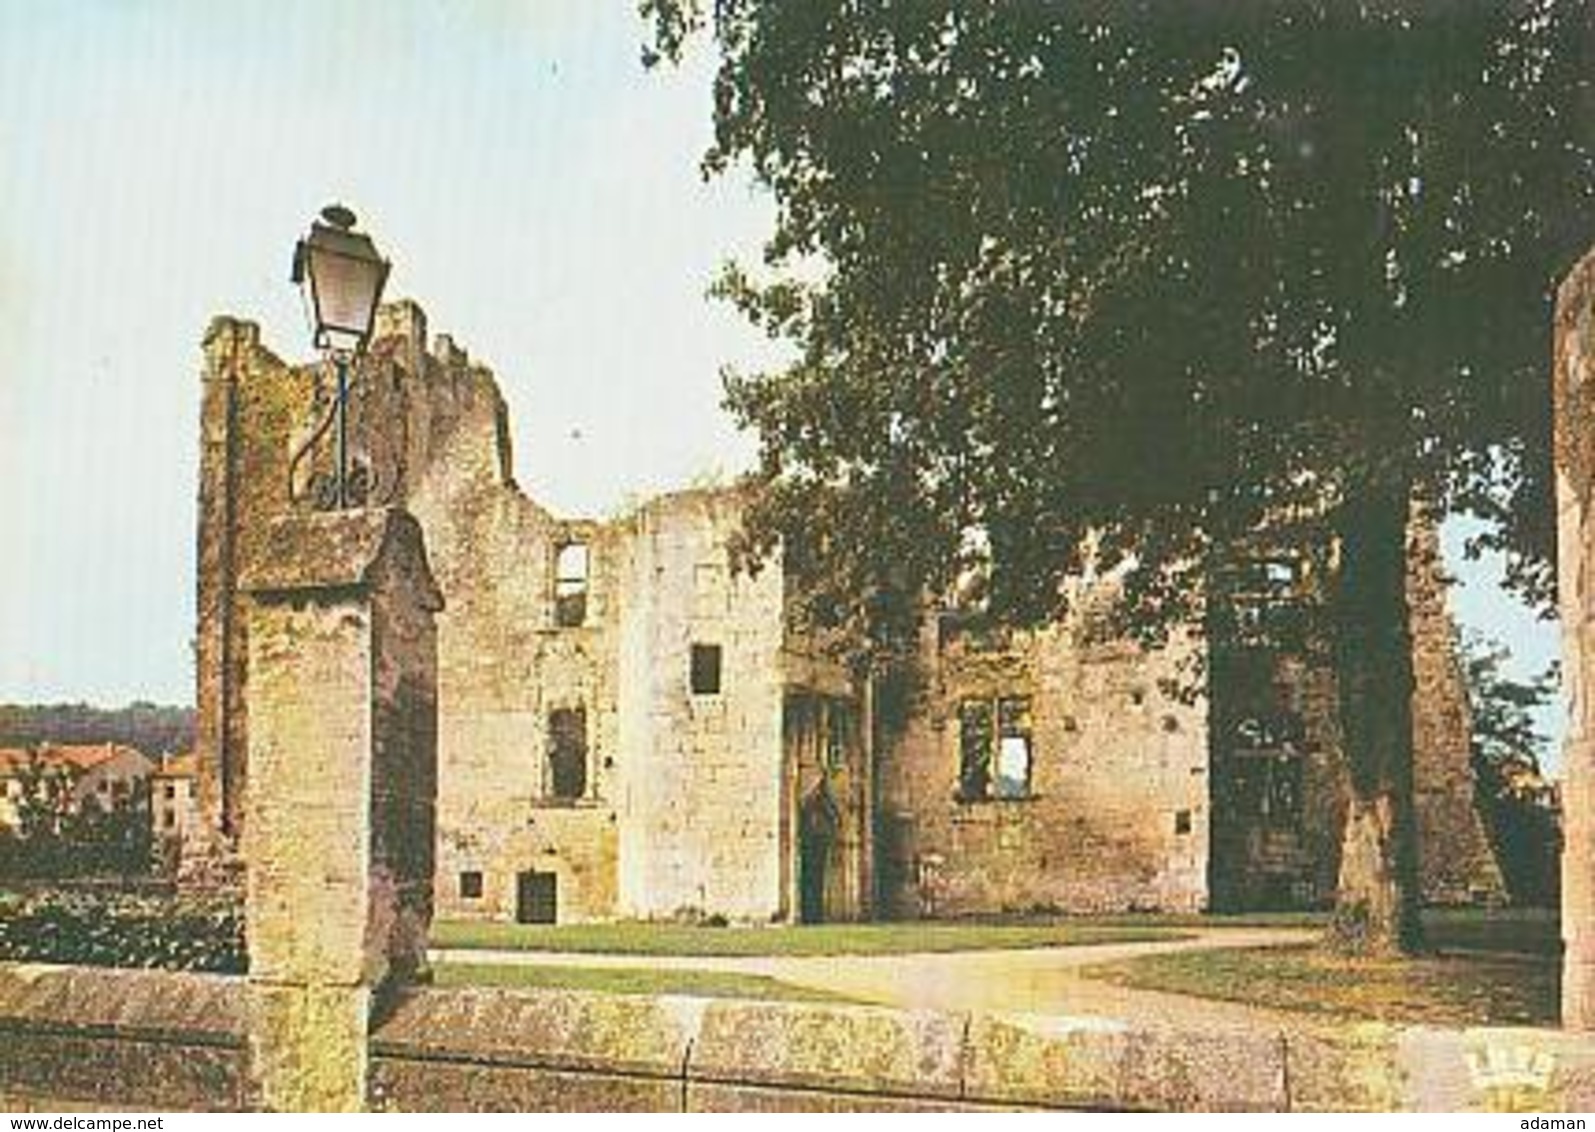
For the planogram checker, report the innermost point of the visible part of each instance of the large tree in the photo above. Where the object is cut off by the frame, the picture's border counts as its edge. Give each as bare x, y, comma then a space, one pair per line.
1136, 279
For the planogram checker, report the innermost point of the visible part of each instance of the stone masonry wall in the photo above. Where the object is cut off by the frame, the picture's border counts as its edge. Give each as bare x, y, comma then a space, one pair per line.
504, 666
702, 789
1116, 762
74, 1039
1455, 857
706, 799
691, 803
1258, 866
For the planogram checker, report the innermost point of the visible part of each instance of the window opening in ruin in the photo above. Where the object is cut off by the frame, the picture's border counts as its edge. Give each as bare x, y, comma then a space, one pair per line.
838, 732
567, 753
1013, 748
974, 749
705, 670
570, 585
1182, 821
994, 749
471, 885
1266, 774
1264, 595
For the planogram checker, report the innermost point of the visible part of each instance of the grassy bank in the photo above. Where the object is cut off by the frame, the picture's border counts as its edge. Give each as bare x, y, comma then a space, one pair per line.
628, 980
817, 939
1441, 990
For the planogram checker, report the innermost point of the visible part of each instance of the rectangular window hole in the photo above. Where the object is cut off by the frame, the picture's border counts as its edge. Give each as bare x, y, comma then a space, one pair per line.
705, 670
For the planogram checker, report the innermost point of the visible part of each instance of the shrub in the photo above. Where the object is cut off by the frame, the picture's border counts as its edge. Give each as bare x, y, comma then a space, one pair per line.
123, 929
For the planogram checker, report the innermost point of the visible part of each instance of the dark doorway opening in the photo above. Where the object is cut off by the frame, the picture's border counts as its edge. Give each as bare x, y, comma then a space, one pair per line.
537, 898
817, 844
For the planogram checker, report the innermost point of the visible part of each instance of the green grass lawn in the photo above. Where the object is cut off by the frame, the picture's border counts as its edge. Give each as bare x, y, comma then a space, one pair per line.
1531, 931
628, 980
1445, 990
816, 939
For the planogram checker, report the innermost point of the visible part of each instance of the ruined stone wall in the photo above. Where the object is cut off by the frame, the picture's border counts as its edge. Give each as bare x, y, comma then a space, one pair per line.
1269, 861
1258, 863
433, 428
504, 667
78, 1038
1455, 857
249, 401
1116, 818
703, 788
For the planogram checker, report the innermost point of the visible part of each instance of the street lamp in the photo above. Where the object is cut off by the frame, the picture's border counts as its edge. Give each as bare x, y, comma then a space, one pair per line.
342, 276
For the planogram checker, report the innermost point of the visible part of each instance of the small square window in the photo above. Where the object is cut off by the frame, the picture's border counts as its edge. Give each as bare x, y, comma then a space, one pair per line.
471, 885
706, 670
1182, 821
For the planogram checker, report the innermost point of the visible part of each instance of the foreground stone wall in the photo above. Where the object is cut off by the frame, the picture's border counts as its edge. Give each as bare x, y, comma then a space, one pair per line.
76, 1038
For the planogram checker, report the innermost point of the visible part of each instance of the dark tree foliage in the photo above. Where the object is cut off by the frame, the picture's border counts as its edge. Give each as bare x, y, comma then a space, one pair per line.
1130, 280
56, 837
154, 729
1513, 795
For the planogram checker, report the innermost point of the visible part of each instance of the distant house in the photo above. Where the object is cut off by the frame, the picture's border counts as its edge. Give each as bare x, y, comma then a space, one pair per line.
174, 808
102, 774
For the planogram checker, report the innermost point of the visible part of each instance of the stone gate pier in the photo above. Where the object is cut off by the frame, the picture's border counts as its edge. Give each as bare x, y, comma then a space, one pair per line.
1575, 531
338, 846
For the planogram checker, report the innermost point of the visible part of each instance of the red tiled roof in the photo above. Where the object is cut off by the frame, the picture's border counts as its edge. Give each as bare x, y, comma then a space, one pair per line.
77, 756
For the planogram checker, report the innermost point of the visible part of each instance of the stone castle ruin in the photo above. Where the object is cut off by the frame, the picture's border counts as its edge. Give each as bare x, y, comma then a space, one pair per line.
629, 728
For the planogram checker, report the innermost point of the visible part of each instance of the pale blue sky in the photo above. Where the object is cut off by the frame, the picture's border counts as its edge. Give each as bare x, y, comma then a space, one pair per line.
537, 191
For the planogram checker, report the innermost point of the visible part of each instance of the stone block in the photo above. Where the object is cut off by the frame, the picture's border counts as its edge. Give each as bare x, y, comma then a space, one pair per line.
858, 1051
634, 1035
75, 1036
173, 1005
405, 1084
703, 1097
1346, 1068
307, 1047
1052, 1062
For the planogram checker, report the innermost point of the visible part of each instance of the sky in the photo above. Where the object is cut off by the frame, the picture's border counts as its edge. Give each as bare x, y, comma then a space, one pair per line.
536, 189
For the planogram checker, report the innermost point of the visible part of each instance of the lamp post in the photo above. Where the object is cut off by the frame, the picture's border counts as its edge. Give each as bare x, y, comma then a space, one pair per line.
342, 276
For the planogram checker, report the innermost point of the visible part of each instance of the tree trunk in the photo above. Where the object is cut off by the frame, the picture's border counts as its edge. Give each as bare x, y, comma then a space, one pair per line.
1376, 908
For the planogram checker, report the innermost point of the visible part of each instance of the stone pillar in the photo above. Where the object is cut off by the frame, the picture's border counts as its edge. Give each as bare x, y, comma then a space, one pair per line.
1575, 481
342, 750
